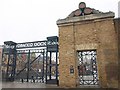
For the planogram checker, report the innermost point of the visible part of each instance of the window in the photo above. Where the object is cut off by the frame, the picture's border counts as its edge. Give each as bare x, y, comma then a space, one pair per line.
87, 67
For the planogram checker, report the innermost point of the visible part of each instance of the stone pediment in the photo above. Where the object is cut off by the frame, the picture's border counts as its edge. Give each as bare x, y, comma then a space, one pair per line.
85, 13
83, 10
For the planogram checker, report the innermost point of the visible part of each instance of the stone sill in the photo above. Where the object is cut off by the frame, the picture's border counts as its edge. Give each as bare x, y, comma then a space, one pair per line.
88, 86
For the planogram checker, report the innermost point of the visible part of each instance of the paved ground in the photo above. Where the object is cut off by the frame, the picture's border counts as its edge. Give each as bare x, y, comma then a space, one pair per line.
37, 86
27, 85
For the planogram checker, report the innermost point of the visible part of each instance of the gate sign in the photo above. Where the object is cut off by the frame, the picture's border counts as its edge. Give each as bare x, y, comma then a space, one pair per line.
50, 42
31, 44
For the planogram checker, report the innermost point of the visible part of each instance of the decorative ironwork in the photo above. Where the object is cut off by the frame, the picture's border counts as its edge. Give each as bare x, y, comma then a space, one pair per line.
87, 68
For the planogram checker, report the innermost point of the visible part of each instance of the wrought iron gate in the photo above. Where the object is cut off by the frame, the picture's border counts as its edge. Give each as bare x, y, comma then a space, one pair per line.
30, 65
87, 68
31, 61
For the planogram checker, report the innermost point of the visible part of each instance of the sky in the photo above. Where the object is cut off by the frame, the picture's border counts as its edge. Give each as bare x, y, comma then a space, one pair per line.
34, 20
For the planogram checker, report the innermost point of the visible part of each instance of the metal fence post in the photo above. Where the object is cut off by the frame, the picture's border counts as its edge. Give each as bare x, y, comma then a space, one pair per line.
28, 66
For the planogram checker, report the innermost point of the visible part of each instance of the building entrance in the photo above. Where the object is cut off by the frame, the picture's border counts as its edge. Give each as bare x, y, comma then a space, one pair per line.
31, 61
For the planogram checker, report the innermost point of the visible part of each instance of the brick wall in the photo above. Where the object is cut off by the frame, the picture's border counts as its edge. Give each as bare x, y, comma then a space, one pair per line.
117, 27
87, 34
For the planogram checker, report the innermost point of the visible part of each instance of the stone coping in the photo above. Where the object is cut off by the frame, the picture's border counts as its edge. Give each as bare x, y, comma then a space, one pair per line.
86, 17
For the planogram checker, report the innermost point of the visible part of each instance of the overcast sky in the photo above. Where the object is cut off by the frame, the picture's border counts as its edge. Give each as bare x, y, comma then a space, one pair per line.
34, 20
